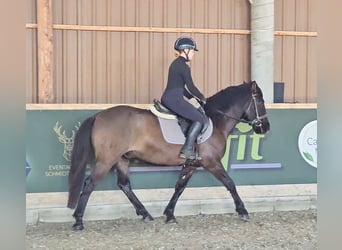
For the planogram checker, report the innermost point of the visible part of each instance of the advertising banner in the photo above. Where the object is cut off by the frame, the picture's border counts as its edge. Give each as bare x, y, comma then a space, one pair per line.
286, 155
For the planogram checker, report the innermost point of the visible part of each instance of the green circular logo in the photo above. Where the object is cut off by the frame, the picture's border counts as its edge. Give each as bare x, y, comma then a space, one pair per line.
307, 143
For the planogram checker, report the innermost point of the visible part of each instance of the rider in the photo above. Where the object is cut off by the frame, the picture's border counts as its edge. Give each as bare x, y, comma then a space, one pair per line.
180, 86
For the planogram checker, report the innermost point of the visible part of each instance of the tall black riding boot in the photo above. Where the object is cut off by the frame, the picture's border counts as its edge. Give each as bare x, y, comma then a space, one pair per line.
187, 151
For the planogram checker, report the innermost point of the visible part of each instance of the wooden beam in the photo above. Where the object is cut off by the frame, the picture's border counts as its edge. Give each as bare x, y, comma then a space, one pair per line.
168, 30
142, 29
45, 51
94, 106
296, 33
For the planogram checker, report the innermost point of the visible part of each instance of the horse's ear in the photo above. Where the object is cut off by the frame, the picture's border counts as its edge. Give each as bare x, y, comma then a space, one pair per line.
254, 85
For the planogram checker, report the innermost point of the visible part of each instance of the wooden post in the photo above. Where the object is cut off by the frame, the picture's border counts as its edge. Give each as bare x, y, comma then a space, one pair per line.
45, 52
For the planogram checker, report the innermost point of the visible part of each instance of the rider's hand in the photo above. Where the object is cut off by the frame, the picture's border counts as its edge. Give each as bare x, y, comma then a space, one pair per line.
203, 101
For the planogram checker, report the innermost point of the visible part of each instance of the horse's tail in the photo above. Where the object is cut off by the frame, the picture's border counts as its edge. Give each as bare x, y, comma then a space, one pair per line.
80, 156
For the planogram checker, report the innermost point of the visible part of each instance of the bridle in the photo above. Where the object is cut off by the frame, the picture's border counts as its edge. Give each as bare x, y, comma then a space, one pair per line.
257, 120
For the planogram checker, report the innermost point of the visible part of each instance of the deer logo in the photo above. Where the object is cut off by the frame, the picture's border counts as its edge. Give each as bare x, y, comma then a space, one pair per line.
67, 141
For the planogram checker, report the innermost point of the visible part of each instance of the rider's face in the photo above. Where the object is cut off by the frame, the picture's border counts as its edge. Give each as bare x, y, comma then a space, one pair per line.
190, 52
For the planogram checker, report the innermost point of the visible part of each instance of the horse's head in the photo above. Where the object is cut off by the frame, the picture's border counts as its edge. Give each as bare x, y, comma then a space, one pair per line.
255, 113
241, 103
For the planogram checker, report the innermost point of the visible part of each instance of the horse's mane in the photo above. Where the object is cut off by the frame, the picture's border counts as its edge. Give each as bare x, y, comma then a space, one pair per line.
223, 100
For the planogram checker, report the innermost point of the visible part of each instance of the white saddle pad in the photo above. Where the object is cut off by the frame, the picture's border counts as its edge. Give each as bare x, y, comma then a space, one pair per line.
173, 134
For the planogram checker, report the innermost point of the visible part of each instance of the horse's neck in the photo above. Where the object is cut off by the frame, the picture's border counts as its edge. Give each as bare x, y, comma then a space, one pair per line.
232, 110
228, 126
231, 122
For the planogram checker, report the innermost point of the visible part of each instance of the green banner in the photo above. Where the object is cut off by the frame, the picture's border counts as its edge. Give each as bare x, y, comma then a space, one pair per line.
286, 155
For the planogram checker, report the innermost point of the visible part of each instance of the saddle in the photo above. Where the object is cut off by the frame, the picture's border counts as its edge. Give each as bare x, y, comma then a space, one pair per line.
175, 127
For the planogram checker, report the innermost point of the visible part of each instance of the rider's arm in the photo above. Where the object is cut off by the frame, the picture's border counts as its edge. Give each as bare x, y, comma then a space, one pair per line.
191, 88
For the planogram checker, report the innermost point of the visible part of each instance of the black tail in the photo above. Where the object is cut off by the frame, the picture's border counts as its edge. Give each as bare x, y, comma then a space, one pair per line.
81, 153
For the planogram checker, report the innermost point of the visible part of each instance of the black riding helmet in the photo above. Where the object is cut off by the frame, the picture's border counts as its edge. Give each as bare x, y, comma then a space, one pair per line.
185, 42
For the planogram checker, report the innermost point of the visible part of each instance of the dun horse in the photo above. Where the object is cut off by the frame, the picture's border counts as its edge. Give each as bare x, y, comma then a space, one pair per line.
116, 135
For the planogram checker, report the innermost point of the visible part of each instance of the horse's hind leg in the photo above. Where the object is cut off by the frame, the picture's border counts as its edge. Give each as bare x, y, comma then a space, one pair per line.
88, 187
219, 172
125, 185
183, 179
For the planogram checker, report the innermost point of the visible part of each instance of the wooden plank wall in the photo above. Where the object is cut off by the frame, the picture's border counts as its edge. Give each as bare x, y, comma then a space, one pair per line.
31, 55
295, 56
128, 63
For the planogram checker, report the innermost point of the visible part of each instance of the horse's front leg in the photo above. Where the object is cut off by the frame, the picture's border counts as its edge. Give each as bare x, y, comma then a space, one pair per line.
218, 171
125, 185
183, 179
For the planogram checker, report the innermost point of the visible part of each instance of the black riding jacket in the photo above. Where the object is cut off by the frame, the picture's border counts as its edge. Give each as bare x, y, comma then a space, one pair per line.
180, 75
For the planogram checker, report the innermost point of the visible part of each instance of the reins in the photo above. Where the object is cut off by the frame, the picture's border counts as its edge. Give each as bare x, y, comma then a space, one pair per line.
256, 121
234, 118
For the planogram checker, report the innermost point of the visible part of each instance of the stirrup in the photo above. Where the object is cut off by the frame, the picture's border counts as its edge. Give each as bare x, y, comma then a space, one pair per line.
193, 156
183, 156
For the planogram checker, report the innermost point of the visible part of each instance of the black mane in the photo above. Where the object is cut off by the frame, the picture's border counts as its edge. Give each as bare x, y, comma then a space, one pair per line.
224, 100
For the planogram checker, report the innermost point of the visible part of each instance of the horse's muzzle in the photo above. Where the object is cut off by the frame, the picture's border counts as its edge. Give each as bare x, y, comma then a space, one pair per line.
261, 125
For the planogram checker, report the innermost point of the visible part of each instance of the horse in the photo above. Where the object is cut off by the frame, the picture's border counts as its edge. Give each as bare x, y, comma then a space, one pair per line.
117, 135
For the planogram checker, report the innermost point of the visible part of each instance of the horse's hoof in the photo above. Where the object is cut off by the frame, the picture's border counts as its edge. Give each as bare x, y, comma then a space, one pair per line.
148, 218
171, 220
78, 227
244, 217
